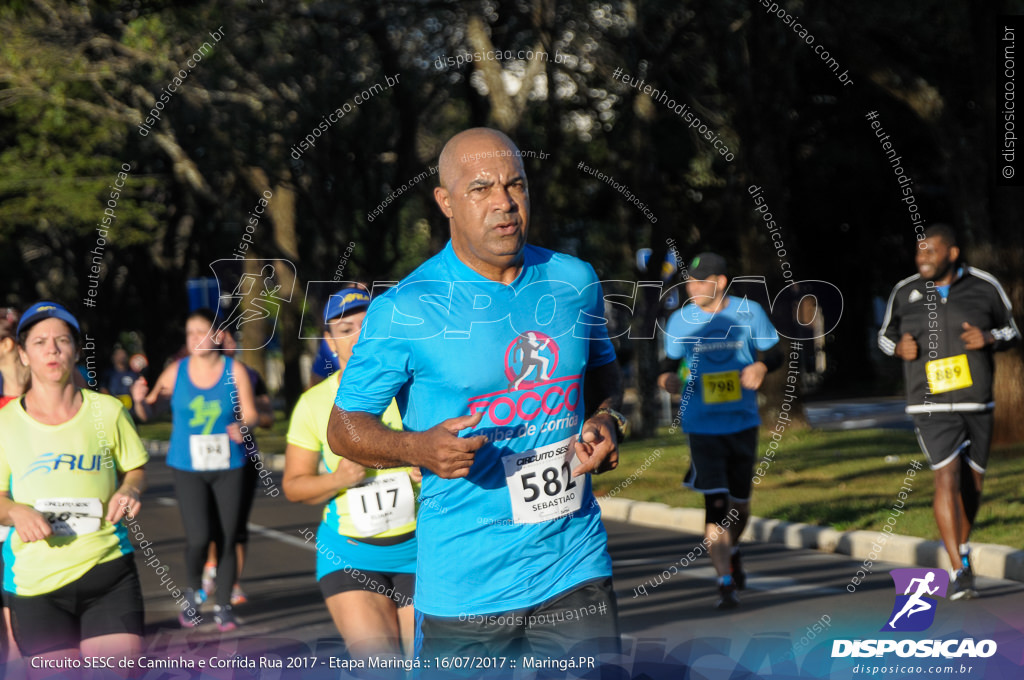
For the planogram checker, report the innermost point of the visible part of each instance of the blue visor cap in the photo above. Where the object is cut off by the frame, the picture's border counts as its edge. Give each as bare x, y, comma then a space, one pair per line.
345, 302
46, 310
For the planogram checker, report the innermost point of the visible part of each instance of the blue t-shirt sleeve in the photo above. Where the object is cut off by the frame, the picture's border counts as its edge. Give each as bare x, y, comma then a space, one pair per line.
765, 336
379, 366
601, 350
675, 331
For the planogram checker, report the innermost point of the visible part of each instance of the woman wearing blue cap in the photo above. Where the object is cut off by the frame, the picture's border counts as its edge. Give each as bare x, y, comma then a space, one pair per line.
366, 545
77, 464
213, 409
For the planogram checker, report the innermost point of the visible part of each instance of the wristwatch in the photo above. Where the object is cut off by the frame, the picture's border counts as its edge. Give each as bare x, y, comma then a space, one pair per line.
621, 424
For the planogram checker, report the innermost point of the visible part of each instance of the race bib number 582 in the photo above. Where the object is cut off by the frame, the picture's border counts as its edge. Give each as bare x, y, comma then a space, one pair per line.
540, 482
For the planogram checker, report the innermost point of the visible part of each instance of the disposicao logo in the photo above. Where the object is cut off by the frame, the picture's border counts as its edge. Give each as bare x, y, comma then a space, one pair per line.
914, 611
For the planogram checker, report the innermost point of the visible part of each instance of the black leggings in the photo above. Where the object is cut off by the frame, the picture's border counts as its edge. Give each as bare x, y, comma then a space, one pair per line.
201, 497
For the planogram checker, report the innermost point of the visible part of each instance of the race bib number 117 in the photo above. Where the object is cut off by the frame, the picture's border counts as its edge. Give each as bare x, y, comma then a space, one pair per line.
382, 503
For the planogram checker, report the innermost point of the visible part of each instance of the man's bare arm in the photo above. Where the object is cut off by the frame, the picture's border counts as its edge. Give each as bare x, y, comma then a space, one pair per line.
361, 437
598, 445
602, 387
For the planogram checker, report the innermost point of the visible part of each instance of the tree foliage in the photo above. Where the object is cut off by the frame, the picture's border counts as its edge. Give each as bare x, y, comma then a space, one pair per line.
78, 79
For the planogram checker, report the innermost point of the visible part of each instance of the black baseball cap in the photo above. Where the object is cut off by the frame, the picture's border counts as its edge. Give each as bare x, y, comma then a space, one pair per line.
706, 265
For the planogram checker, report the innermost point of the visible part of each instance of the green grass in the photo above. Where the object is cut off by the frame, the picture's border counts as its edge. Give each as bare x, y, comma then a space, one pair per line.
271, 441
838, 479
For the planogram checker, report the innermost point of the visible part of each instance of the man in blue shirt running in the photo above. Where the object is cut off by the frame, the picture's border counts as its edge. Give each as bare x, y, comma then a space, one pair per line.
507, 343
728, 345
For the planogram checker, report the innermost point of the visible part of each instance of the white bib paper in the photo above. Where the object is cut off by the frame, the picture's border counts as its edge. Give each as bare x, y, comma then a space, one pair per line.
381, 503
71, 516
210, 451
540, 482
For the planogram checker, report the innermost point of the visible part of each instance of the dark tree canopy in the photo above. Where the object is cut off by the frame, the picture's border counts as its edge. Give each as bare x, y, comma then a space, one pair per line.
337, 110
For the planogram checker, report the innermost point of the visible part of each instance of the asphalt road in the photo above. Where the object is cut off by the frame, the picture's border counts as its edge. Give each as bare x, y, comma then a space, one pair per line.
672, 631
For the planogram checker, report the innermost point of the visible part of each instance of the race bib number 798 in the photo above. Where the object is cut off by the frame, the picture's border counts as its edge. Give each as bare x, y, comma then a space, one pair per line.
540, 482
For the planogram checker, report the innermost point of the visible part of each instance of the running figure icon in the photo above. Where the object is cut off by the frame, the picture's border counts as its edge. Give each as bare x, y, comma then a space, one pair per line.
531, 350
257, 308
915, 604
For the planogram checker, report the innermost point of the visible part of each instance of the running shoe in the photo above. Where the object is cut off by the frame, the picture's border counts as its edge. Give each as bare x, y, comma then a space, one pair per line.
963, 585
728, 599
209, 577
739, 577
224, 618
193, 598
238, 596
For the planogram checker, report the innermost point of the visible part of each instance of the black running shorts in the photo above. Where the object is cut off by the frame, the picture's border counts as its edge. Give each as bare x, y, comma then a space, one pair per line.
582, 622
723, 463
945, 436
106, 600
397, 586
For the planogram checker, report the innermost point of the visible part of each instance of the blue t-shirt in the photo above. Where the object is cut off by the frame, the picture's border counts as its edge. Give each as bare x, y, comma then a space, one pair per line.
447, 342
716, 348
119, 384
200, 419
944, 290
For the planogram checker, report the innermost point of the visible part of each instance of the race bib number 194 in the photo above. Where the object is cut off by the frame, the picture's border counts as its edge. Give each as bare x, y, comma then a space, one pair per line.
541, 484
210, 451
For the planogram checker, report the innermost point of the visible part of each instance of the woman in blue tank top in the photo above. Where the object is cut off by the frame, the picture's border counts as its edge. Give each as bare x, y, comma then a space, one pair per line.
212, 407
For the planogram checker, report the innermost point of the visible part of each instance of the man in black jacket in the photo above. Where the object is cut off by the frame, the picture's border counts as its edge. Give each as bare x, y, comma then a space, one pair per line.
945, 323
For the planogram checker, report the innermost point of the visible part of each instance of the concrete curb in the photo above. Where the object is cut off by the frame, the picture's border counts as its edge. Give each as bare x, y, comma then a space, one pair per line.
994, 561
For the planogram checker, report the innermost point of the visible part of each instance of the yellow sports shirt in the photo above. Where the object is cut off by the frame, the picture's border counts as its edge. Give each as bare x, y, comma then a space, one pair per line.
367, 508
68, 472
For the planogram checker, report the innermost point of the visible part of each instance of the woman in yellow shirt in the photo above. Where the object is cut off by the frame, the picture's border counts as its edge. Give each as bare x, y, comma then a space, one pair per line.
366, 542
71, 467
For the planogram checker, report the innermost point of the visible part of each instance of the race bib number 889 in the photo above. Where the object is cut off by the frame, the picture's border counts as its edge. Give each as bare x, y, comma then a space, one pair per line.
540, 482
946, 375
